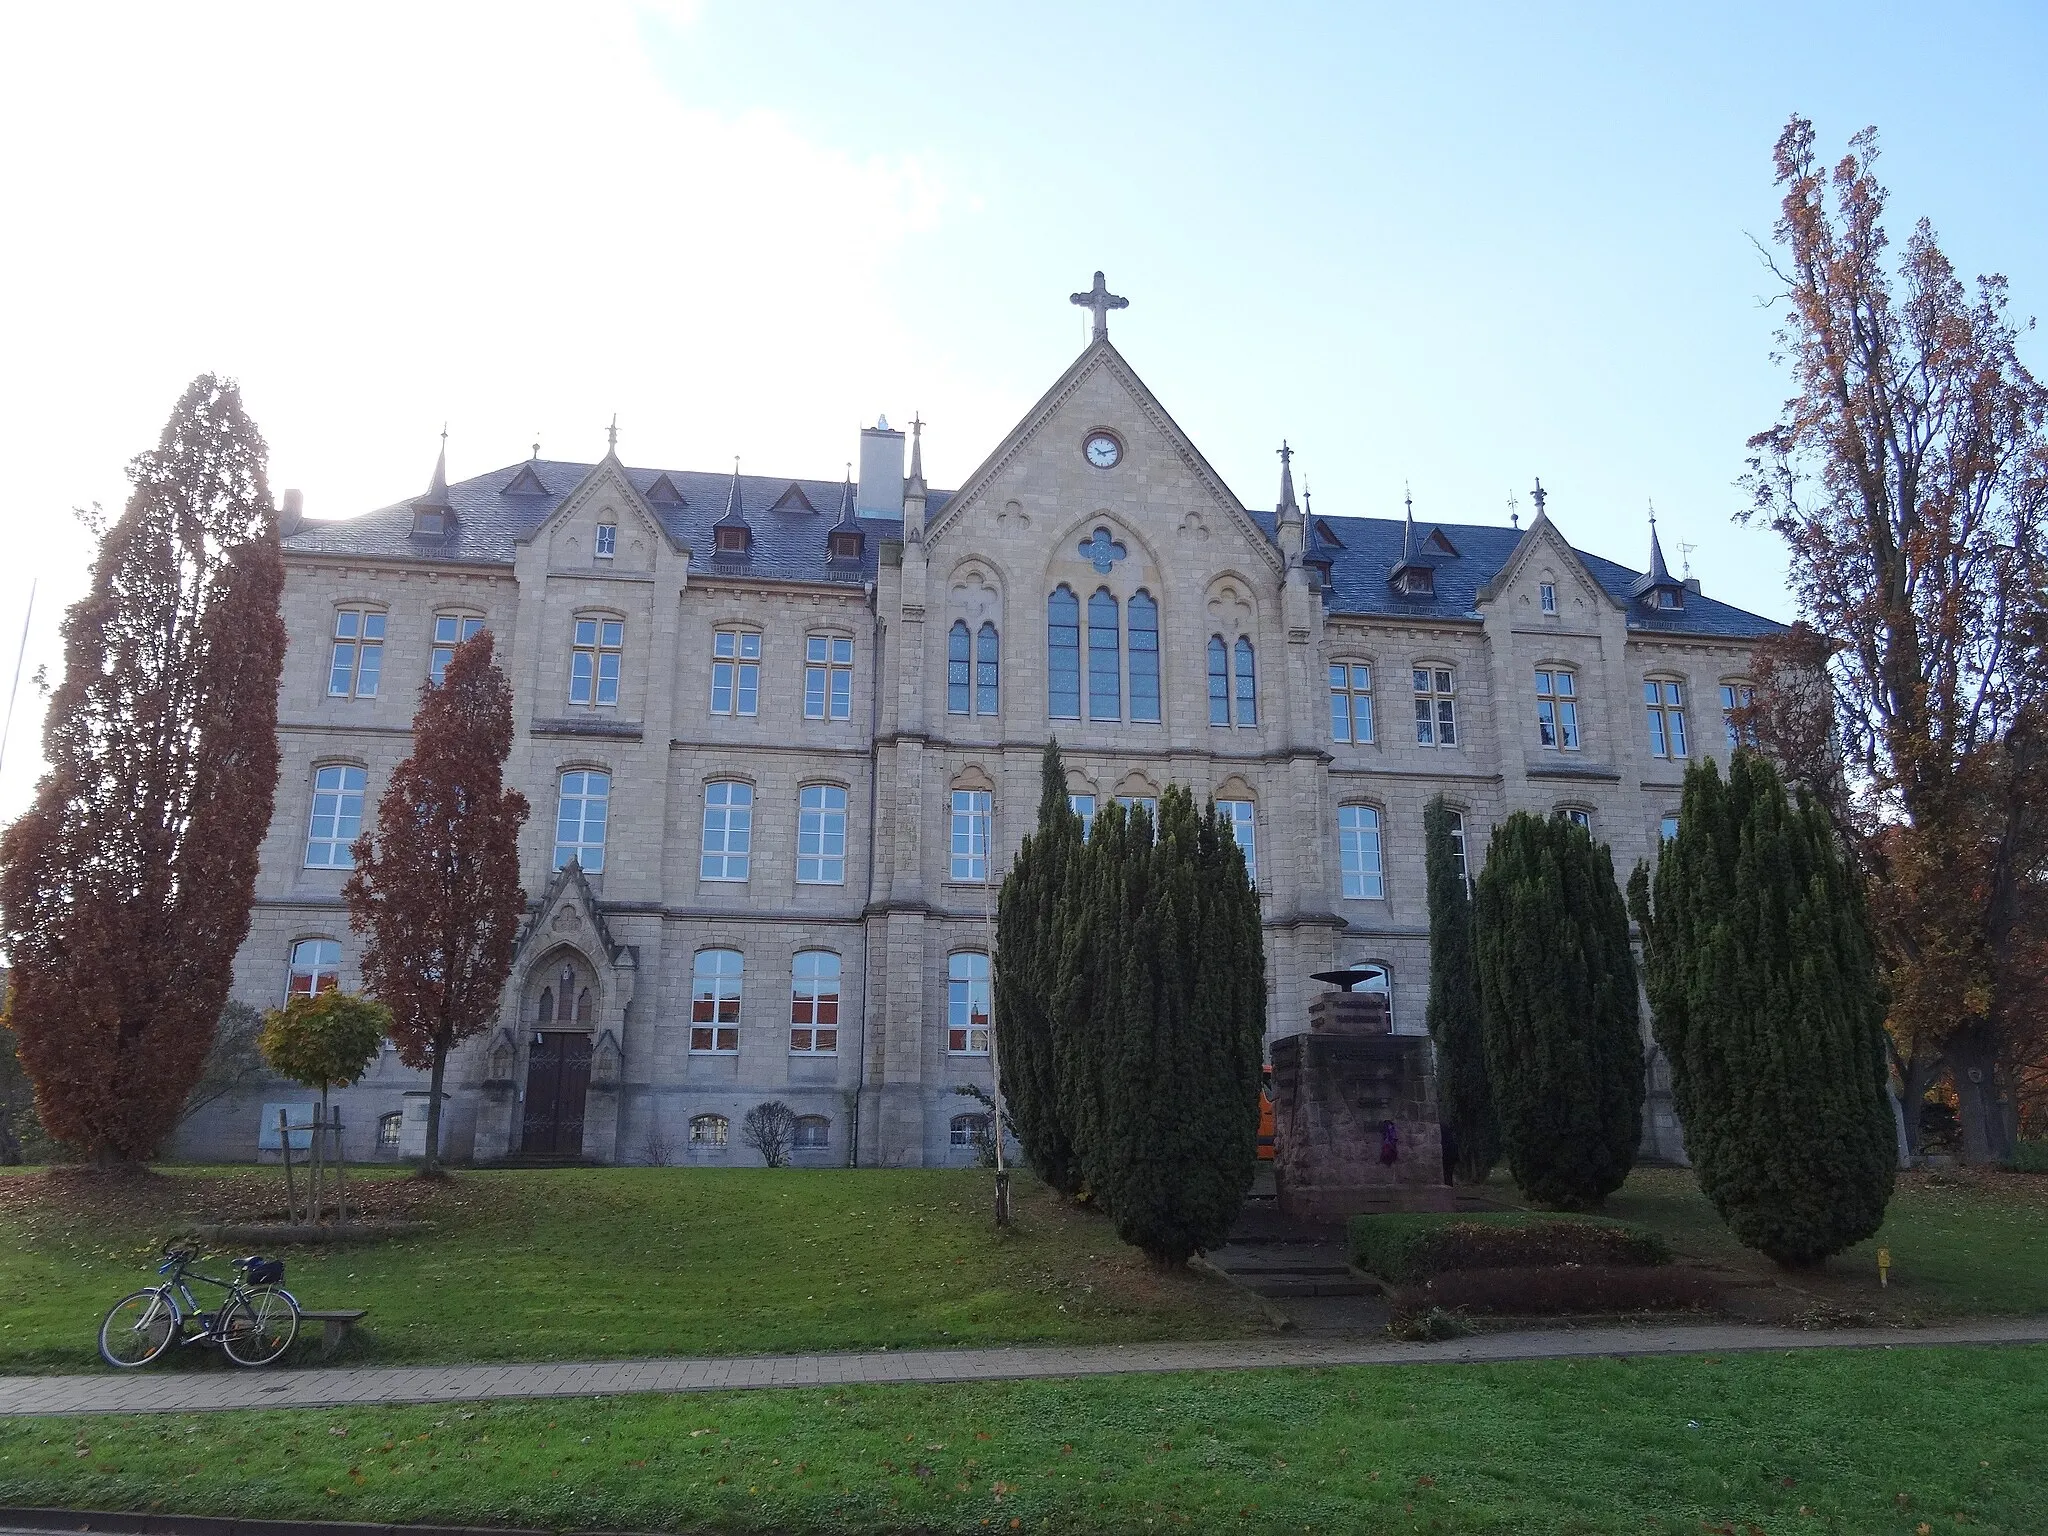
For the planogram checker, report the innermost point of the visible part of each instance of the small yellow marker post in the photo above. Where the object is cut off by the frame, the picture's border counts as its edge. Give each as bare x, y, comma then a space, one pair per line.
1884, 1266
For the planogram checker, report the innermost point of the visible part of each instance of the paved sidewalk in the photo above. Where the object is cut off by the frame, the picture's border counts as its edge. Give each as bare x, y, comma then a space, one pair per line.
175, 1391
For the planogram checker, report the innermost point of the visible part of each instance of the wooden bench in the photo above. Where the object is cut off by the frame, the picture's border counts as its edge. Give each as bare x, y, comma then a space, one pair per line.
334, 1325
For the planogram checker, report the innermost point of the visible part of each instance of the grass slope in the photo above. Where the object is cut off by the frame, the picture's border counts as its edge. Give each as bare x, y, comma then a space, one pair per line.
604, 1263
1869, 1442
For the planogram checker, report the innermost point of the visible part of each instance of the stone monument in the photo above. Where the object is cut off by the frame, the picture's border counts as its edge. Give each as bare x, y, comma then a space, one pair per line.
1354, 1112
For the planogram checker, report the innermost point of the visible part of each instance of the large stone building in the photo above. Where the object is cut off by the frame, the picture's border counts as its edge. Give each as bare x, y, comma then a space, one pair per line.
780, 737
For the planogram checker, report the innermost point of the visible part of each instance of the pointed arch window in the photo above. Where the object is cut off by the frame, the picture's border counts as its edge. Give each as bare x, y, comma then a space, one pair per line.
959, 668
1219, 681
1105, 673
1247, 684
1144, 657
1063, 654
988, 665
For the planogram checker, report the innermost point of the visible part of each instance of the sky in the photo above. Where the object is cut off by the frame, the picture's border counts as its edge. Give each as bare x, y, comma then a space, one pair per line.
1442, 248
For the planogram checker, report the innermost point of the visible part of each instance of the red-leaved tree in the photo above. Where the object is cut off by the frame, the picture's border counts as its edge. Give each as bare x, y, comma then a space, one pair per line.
125, 888
1908, 474
436, 887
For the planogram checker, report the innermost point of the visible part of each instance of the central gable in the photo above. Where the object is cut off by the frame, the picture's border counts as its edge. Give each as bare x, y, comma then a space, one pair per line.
1161, 478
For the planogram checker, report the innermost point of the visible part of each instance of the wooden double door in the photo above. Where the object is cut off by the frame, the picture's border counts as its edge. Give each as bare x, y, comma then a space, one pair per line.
557, 1082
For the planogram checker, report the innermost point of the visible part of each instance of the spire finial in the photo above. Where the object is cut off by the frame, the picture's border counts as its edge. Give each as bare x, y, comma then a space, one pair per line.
1408, 499
916, 450
1308, 508
1539, 495
536, 445
1514, 510
1287, 507
611, 434
439, 489
1102, 301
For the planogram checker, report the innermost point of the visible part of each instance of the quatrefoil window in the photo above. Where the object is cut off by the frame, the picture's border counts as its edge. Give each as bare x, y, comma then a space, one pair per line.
1101, 551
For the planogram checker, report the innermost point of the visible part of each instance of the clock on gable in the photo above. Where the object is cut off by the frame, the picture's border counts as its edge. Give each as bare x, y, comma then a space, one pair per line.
1103, 449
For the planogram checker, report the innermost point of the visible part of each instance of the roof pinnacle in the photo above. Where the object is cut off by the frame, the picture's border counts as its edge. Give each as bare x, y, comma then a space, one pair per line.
1287, 504
1539, 495
1102, 301
612, 434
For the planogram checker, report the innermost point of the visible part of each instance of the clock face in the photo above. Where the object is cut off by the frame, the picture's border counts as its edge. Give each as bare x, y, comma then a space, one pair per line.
1103, 450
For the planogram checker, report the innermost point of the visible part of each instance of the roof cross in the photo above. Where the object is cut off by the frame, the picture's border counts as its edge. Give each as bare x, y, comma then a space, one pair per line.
612, 434
1102, 301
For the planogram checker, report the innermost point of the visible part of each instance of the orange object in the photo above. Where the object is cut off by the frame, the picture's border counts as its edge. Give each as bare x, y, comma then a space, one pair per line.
1265, 1125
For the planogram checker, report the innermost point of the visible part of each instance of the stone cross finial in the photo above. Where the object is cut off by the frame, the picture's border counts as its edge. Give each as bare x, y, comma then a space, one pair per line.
1539, 495
611, 434
1102, 301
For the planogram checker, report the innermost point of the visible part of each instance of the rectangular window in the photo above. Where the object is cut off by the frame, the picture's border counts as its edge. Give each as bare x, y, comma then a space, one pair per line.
607, 540
1351, 702
828, 678
1239, 814
1576, 816
1457, 820
594, 661
967, 1002
1734, 697
1557, 710
1436, 709
1083, 806
814, 1003
813, 1133
1150, 805
735, 672
358, 657
821, 835
728, 829
1667, 829
1548, 594
1358, 852
315, 968
450, 630
971, 809
585, 806
715, 1002
1664, 707
337, 816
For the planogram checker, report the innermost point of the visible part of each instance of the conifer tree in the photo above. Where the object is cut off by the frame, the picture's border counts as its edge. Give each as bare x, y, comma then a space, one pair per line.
125, 888
1764, 990
1171, 1145
1463, 1094
1034, 904
1557, 1000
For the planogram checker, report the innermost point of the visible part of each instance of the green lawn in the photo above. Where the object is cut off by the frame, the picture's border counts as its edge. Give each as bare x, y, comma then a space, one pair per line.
603, 1263
1960, 1243
1865, 1442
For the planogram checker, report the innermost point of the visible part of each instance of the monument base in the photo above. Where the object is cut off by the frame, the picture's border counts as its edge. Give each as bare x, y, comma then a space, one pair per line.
1355, 1126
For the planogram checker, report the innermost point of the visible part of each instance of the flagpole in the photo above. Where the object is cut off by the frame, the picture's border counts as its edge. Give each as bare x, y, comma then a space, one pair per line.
21, 654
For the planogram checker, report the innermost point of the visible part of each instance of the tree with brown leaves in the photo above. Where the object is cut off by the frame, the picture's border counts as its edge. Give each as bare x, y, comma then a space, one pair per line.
1908, 474
125, 888
436, 888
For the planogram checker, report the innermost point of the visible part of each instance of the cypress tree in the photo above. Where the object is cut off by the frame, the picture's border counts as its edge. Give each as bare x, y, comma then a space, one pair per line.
1463, 1095
1172, 1145
1557, 999
1765, 994
1096, 937
1034, 905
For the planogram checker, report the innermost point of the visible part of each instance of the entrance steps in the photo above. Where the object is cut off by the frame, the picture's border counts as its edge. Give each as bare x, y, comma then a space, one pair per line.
1276, 1270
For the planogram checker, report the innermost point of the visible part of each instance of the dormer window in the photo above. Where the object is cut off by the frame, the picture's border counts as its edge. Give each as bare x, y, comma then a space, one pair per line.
429, 522
1671, 597
844, 544
607, 540
731, 540
1418, 581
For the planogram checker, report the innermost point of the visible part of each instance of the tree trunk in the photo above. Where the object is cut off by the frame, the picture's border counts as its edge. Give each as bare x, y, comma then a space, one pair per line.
431, 1166
1973, 1058
1918, 1074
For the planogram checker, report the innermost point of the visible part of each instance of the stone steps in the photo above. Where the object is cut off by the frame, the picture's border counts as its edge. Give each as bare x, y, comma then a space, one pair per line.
1293, 1269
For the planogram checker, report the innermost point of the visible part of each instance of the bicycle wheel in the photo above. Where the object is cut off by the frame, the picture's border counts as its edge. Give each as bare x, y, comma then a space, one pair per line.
259, 1325
138, 1328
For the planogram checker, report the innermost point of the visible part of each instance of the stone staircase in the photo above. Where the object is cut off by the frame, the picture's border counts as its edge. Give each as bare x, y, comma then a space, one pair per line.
1277, 1270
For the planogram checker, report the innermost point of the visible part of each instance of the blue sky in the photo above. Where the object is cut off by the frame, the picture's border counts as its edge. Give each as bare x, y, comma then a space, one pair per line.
1448, 247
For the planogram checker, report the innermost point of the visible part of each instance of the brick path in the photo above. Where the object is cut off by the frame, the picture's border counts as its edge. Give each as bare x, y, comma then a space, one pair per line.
191, 1391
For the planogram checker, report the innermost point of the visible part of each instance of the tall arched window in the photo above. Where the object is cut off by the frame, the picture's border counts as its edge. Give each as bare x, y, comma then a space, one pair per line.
1358, 852
584, 805
315, 968
337, 818
967, 1003
1063, 654
1247, 685
547, 1005
1219, 681
1105, 674
987, 669
715, 1002
959, 668
814, 1003
1144, 657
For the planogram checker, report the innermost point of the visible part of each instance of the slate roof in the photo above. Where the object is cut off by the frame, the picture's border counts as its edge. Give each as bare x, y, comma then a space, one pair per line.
789, 543
1370, 548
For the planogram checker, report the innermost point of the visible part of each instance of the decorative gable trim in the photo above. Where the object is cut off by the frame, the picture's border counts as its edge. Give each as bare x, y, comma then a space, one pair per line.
569, 891
1542, 534
605, 475
1102, 356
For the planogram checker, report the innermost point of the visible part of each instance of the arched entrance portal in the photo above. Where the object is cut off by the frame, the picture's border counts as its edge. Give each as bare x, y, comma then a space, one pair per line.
560, 1006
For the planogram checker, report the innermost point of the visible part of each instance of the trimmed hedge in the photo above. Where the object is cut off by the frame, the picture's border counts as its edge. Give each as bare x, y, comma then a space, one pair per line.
1408, 1249
1528, 1291
2030, 1157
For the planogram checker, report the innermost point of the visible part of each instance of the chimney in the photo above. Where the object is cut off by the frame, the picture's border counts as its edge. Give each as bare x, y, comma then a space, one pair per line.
291, 516
1692, 585
881, 471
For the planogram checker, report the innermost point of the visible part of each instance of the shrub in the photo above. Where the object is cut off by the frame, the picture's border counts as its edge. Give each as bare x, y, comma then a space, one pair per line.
2030, 1157
1463, 1092
1409, 1249
1537, 1290
770, 1129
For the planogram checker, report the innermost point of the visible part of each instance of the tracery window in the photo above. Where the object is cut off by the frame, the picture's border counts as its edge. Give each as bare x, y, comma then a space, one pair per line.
973, 669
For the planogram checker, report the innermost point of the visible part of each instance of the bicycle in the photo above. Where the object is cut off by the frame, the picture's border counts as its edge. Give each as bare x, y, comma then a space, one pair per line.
255, 1323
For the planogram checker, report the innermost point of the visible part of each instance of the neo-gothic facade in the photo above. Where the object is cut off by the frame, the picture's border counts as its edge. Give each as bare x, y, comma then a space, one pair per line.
773, 732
